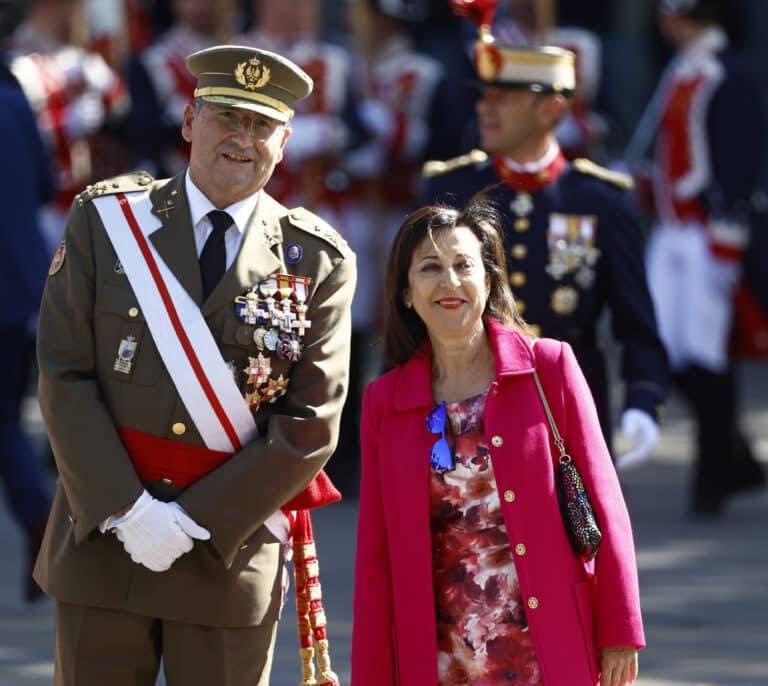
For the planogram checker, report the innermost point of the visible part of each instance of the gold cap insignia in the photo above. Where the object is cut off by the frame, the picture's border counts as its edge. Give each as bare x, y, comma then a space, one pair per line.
252, 74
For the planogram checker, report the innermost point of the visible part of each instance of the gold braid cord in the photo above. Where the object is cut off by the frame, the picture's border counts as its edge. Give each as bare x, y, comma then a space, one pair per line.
313, 635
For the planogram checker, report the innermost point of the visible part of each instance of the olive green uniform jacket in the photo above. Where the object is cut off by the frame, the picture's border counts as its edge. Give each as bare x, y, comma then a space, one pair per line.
88, 307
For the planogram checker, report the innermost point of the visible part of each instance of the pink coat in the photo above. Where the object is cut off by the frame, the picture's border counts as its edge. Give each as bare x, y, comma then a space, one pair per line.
572, 609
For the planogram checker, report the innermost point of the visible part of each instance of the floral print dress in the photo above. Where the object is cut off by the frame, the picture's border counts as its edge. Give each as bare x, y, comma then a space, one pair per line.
482, 632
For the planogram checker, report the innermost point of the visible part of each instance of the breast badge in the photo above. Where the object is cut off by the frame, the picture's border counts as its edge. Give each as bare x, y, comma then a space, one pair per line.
125, 354
564, 300
273, 316
571, 241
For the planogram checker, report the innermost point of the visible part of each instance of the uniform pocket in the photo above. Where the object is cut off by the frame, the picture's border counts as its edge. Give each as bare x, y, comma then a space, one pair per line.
126, 352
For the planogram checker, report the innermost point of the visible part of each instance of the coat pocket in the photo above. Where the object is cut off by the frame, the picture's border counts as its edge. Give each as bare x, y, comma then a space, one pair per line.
583, 593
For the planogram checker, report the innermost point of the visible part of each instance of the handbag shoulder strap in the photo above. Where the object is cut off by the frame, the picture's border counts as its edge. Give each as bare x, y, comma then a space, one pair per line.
564, 457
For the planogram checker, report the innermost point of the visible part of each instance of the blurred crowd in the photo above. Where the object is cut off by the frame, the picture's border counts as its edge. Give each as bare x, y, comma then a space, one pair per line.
107, 82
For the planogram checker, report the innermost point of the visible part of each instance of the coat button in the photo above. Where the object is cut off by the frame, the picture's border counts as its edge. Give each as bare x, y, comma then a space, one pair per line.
179, 428
497, 441
522, 224
71, 518
167, 481
244, 546
133, 312
533, 602
517, 279
509, 496
520, 548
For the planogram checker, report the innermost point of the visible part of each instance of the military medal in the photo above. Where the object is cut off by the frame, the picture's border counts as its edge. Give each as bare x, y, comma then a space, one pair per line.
271, 339
258, 370
522, 205
293, 253
564, 300
258, 337
275, 389
125, 353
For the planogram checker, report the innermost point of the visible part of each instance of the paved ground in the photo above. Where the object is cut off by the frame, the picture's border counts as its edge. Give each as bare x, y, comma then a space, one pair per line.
705, 586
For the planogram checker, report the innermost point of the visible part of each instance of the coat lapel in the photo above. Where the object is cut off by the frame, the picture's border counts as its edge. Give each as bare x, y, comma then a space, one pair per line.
255, 260
175, 239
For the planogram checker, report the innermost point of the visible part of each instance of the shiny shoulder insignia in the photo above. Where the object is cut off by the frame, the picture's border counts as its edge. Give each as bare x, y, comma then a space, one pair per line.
307, 221
126, 183
585, 166
439, 167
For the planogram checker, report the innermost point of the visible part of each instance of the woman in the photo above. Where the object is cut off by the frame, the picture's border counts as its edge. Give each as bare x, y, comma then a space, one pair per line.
464, 573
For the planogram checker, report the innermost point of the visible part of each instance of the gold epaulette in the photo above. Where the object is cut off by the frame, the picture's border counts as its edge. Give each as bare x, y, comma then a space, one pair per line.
126, 183
619, 179
439, 167
307, 221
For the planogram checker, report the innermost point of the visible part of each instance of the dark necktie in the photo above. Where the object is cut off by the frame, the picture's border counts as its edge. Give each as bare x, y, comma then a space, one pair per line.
213, 259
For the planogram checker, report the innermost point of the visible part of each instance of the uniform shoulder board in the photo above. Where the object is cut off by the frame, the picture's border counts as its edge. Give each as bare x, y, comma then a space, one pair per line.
619, 179
307, 221
439, 167
126, 183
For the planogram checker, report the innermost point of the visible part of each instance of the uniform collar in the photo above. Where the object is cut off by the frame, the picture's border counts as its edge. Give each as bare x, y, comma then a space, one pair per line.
199, 205
511, 351
534, 176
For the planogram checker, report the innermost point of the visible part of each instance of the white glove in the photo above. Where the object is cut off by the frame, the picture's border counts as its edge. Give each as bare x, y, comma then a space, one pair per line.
155, 534
643, 434
85, 115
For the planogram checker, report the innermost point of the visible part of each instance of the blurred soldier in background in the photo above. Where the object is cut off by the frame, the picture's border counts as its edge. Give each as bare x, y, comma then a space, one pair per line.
77, 98
25, 182
709, 138
161, 86
574, 244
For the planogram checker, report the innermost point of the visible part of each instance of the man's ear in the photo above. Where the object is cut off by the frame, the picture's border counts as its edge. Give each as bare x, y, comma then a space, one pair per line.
186, 122
286, 136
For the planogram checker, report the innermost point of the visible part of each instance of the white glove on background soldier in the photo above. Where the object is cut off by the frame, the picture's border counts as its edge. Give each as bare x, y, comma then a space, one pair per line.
643, 434
155, 534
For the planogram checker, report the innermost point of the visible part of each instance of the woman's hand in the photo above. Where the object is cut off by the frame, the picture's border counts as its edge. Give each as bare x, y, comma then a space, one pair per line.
618, 665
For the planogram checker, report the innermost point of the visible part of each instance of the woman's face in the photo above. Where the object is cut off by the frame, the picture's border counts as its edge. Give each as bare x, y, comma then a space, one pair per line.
447, 283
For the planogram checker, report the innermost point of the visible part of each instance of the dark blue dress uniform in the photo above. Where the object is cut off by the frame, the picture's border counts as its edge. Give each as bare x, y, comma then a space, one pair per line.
574, 248
26, 182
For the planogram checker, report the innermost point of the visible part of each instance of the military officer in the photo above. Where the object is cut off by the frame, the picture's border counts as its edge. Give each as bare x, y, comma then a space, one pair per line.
193, 352
574, 247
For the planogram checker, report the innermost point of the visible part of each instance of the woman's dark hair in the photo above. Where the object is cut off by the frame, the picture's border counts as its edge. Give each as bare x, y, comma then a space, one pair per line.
405, 331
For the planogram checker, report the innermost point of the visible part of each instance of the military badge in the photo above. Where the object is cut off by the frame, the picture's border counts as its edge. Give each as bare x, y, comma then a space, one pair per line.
564, 300
571, 240
252, 74
293, 253
58, 259
125, 354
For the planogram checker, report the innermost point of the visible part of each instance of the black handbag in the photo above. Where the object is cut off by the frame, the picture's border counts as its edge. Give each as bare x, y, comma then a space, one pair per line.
575, 508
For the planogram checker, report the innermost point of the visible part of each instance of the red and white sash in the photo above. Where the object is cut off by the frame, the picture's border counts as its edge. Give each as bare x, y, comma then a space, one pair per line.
202, 378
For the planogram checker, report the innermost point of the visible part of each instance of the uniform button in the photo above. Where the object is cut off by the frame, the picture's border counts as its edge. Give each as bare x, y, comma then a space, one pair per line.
520, 305
71, 518
497, 441
533, 602
133, 312
179, 428
522, 224
517, 279
520, 548
519, 251
509, 496
244, 546
167, 481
